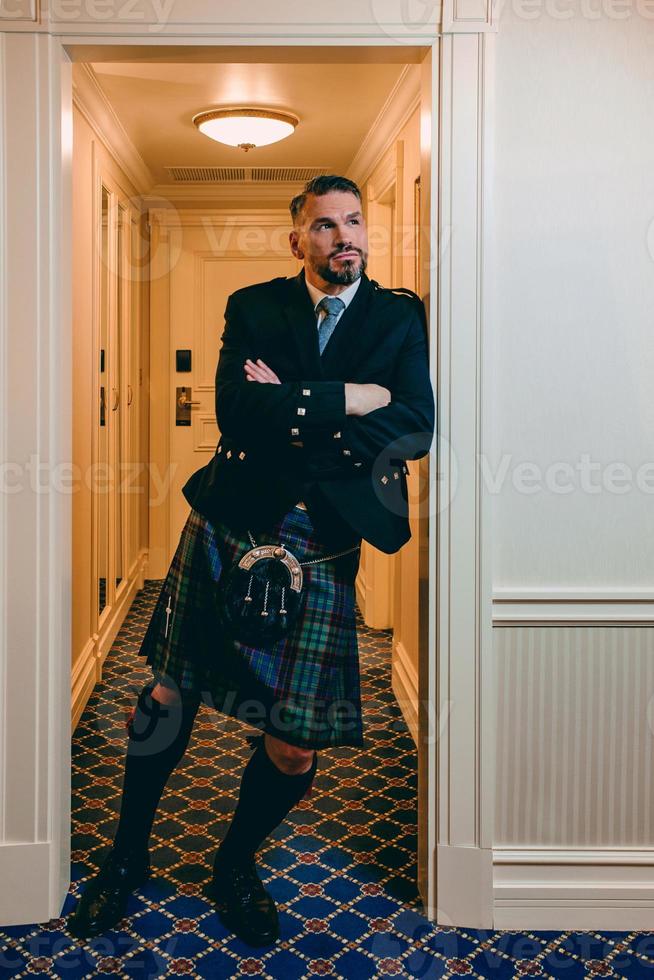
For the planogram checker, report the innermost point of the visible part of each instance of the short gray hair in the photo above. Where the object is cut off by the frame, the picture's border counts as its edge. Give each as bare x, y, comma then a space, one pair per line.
320, 185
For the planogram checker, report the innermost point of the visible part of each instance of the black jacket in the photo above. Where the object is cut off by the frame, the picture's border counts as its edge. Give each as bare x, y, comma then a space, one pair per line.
351, 470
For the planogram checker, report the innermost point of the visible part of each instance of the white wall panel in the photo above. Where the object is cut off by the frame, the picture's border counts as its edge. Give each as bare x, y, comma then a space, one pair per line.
575, 737
574, 294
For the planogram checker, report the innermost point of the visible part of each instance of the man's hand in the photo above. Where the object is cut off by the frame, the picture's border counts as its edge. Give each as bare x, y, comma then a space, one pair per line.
259, 371
363, 398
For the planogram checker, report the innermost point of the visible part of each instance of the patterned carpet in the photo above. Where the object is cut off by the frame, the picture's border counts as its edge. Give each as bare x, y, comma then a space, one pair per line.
342, 867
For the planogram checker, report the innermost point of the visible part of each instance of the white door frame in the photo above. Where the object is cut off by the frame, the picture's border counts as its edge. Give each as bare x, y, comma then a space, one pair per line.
456, 776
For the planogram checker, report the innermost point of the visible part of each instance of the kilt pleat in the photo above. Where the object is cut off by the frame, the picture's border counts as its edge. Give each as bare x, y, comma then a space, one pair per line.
305, 687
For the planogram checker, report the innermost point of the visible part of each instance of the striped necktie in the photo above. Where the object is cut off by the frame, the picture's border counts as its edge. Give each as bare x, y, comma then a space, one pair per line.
333, 307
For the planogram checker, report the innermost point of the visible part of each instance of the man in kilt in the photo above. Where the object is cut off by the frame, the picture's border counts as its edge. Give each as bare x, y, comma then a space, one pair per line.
308, 460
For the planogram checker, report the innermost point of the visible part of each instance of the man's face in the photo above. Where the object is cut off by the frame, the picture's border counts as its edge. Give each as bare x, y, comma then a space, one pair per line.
331, 239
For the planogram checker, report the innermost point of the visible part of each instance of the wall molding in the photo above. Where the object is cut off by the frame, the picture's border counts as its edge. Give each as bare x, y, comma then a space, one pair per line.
83, 679
551, 607
365, 21
252, 190
4, 338
468, 900
90, 99
387, 176
159, 380
87, 669
36, 525
118, 612
22, 11
217, 217
465, 707
400, 105
368, 22
361, 589
205, 432
573, 888
404, 681
468, 16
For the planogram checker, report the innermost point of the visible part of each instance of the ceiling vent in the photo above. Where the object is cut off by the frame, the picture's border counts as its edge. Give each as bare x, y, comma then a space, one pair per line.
243, 175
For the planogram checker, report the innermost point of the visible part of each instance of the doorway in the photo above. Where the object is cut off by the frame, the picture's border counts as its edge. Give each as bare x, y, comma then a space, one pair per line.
455, 77
209, 227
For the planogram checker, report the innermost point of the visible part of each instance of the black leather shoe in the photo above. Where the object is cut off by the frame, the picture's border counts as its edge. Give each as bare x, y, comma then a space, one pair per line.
245, 907
105, 897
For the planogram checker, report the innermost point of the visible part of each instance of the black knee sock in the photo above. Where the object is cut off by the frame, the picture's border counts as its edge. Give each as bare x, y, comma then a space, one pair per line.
266, 796
158, 736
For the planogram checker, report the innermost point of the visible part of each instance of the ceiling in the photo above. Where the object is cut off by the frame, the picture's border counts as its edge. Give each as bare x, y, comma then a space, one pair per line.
337, 105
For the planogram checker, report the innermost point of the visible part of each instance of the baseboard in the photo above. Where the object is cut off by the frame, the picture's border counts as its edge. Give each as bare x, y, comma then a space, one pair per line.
576, 888
114, 621
404, 681
142, 570
361, 591
464, 878
87, 669
25, 894
84, 676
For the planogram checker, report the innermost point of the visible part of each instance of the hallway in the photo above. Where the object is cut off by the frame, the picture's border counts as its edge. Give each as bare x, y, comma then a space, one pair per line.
347, 853
348, 863
342, 867
515, 148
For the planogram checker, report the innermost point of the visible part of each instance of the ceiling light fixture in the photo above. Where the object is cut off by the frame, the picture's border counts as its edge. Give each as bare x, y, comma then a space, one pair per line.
245, 128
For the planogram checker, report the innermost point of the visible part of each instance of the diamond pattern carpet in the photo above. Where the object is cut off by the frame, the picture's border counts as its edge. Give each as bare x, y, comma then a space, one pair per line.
341, 868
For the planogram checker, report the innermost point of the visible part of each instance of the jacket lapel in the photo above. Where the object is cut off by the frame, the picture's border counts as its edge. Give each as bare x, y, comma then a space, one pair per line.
353, 335
301, 318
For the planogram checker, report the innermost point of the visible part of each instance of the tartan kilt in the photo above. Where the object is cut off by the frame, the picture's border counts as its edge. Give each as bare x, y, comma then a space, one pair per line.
305, 687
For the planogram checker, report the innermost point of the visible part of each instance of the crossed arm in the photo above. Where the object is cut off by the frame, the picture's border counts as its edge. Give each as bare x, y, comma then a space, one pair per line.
279, 411
252, 402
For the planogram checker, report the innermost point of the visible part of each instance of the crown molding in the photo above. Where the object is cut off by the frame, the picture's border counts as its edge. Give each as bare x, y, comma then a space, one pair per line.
204, 217
403, 100
92, 102
231, 191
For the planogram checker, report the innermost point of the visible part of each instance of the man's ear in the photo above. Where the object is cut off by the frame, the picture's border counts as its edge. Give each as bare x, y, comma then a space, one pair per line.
293, 239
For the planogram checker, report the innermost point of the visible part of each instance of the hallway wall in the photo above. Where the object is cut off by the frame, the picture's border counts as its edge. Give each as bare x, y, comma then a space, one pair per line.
86, 144
396, 597
572, 296
397, 267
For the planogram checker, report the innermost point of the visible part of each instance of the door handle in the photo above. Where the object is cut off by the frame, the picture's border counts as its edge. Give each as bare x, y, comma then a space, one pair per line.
116, 399
184, 402
183, 405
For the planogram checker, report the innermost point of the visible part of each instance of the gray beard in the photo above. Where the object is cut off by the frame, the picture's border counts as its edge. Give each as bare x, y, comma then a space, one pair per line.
345, 276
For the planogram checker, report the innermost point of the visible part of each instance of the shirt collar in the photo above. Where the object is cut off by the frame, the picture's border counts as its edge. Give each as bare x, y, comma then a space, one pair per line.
347, 295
